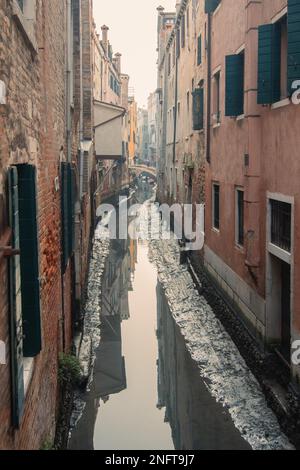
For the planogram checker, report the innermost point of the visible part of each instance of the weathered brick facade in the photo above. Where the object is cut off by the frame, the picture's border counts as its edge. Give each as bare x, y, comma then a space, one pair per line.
33, 130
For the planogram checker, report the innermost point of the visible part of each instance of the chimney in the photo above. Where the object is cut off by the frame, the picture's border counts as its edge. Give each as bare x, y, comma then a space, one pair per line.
105, 30
118, 61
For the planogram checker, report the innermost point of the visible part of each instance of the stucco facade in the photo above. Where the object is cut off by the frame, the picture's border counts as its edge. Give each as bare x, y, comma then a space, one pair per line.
243, 161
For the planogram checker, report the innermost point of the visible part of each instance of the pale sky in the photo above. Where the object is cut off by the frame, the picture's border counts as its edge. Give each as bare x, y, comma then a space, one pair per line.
133, 33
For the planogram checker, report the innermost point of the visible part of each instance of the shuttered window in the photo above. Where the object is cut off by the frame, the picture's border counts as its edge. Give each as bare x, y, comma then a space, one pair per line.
15, 295
234, 94
198, 109
269, 58
240, 217
293, 43
199, 50
29, 259
178, 43
216, 206
68, 213
183, 31
211, 5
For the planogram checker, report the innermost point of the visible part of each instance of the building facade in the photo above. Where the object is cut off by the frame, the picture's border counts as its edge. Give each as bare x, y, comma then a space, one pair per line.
152, 120
111, 118
251, 237
241, 89
46, 172
132, 131
142, 148
181, 82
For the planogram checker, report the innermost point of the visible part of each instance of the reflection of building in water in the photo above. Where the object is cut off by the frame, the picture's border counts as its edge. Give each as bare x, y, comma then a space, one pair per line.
197, 421
109, 371
118, 280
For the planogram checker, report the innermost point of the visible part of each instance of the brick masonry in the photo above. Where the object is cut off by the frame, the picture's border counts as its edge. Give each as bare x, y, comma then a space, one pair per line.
32, 129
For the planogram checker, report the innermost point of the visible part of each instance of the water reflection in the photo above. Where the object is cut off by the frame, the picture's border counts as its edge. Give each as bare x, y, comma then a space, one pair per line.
197, 421
146, 391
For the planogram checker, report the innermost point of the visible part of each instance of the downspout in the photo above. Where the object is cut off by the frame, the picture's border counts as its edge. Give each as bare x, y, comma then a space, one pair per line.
208, 141
68, 143
81, 108
68, 79
176, 110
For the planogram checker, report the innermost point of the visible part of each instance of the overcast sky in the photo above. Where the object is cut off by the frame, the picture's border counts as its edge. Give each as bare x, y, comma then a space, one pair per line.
133, 26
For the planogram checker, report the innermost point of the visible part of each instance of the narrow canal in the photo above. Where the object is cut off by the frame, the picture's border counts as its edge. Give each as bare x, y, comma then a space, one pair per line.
147, 392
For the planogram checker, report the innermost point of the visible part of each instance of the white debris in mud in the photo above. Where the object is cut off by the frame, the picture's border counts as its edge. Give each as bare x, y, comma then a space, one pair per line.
223, 369
91, 328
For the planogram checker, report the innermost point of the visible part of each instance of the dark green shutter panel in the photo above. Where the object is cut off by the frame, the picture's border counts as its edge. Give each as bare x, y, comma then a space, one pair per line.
199, 55
16, 327
269, 46
68, 211
293, 43
234, 94
178, 42
30, 283
72, 192
211, 5
198, 109
65, 214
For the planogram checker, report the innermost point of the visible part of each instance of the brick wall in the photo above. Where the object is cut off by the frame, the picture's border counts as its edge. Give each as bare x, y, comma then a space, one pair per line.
32, 129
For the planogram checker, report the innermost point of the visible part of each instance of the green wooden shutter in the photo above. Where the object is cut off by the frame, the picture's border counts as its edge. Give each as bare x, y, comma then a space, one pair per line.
68, 211
269, 46
198, 109
211, 5
72, 194
65, 214
16, 327
30, 283
293, 43
199, 54
234, 94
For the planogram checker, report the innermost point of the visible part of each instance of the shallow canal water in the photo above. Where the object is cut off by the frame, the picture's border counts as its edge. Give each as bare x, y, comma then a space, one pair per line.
147, 392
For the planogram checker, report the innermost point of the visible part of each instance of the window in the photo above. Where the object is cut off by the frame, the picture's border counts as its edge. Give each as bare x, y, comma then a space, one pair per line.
211, 5
198, 109
183, 31
240, 217
283, 58
24, 12
293, 45
216, 206
26, 340
281, 214
235, 80
178, 43
273, 62
169, 64
216, 97
199, 50
67, 212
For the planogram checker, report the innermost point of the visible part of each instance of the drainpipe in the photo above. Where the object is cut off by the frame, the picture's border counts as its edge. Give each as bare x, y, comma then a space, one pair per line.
208, 142
176, 110
81, 131
68, 79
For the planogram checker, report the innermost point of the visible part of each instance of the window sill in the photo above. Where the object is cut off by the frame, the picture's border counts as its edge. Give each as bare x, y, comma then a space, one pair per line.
240, 248
281, 103
240, 117
215, 230
217, 125
28, 365
26, 26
